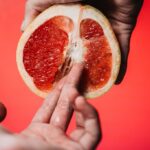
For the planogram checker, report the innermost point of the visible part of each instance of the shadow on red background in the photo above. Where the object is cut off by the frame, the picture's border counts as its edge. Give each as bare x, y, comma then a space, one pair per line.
124, 110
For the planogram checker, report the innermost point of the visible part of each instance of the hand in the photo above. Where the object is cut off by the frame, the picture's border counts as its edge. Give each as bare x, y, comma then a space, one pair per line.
122, 15
35, 7
48, 127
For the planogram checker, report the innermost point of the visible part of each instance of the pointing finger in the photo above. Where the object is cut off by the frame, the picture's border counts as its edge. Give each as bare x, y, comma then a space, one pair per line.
35, 7
45, 111
63, 110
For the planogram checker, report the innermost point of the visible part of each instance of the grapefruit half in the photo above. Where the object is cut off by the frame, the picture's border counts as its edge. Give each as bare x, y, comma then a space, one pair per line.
64, 34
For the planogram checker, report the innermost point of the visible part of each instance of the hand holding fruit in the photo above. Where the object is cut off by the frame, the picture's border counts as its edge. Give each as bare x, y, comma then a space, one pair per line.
35, 7
122, 15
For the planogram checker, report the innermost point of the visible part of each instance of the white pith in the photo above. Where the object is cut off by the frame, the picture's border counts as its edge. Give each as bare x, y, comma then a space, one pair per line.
77, 13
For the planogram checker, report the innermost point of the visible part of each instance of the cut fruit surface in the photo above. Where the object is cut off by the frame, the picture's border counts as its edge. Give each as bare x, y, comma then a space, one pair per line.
62, 35
98, 58
43, 52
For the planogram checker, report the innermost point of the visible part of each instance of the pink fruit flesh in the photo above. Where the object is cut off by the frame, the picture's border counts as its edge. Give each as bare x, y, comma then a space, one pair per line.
43, 53
98, 57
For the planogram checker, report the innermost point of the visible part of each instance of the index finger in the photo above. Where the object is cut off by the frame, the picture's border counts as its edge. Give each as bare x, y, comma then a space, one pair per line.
74, 75
44, 113
63, 111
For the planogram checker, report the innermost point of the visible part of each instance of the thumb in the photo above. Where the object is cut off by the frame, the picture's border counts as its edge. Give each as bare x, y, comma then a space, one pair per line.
35, 7
30, 14
29, 17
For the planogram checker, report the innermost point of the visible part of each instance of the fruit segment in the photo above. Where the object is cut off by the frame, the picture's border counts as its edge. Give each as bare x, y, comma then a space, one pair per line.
43, 52
98, 57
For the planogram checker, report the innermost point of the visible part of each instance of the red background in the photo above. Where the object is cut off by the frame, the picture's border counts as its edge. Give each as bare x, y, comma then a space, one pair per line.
124, 110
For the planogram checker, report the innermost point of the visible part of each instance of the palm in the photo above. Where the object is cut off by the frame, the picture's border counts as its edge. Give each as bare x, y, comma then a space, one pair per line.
48, 127
52, 135
122, 15
49, 134
45, 132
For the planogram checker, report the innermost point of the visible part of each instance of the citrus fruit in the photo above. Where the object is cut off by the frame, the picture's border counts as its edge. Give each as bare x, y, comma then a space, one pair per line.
65, 34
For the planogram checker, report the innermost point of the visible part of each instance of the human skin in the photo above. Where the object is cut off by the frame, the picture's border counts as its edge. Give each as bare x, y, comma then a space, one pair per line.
48, 128
122, 15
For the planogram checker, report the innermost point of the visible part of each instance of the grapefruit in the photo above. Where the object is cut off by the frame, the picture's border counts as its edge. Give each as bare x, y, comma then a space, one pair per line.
64, 34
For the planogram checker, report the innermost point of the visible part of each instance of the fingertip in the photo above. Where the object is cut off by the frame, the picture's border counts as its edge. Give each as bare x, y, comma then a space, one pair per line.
80, 102
85, 108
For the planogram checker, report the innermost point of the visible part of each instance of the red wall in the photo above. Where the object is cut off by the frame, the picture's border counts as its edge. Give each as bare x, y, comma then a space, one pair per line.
124, 110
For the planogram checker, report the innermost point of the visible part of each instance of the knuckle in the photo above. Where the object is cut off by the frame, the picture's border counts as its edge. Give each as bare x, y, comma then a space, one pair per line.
47, 106
63, 103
